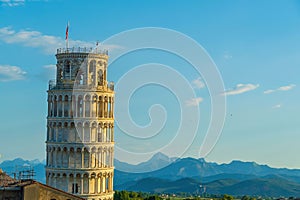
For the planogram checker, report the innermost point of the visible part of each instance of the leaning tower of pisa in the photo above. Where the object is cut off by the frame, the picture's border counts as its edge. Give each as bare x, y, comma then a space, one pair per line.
80, 125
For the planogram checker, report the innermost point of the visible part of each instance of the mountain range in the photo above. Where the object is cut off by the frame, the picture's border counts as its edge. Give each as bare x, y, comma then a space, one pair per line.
162, 174
13, 167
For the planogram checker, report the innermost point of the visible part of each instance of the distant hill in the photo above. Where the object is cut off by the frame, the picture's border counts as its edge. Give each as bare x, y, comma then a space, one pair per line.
158, 161
265, 186
156, 185
187, 174
270, 187
207, 171
236, 178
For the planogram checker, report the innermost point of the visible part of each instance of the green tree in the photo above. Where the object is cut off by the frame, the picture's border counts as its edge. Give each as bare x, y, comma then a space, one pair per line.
154, 197
227, 197
245, 197
121, 195
133, 195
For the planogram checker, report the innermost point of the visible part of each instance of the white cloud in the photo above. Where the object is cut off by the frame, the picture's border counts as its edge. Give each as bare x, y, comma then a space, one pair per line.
198, 83
286, 88
241, 88
194, 101
277, 106
52, 67
282, 88
227, 56
47, 43
12, 3
31, 38
269, 91
11, 73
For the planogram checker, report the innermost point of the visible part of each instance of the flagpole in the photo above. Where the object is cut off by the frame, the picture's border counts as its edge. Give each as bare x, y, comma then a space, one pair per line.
67, 36
67, 43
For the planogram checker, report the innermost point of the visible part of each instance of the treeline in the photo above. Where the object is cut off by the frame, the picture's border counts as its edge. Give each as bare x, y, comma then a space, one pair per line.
128, 195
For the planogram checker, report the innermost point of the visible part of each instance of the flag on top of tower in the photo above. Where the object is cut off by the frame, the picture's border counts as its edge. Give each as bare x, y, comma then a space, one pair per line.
67, 31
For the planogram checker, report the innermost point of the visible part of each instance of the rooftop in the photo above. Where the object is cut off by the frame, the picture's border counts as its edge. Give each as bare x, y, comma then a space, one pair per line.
8, 183
5, 179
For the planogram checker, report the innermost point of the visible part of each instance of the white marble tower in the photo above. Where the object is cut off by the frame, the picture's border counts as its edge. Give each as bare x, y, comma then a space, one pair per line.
80, 125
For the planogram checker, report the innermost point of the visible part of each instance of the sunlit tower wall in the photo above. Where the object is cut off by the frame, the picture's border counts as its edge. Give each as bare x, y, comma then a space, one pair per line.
80, 125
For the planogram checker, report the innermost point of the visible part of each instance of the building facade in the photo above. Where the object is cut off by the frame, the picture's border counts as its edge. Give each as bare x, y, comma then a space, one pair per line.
80, 125
32, 190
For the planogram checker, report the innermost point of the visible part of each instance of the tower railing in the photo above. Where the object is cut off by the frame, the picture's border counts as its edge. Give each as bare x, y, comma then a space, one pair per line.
76, 85
82, 50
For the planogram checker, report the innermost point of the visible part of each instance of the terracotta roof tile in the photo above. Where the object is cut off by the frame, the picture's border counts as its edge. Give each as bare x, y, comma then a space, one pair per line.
5, 179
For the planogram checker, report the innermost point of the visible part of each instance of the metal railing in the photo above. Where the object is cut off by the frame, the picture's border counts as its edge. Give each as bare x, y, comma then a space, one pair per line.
76, 85
82, 50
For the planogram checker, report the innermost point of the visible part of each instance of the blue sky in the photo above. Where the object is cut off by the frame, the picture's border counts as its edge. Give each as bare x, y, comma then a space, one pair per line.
255, 45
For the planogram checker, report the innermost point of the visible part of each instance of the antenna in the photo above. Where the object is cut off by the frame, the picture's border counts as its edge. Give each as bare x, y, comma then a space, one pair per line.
24, 173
